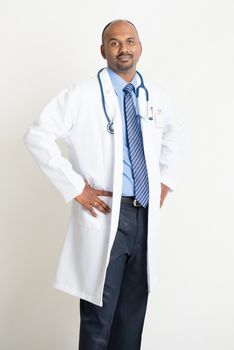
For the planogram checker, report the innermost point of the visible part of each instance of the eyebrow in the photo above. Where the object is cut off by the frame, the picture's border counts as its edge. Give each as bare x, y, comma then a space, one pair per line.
131, 37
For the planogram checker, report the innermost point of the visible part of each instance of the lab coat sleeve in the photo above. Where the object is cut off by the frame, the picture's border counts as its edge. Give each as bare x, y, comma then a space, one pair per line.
55, 121
172, 147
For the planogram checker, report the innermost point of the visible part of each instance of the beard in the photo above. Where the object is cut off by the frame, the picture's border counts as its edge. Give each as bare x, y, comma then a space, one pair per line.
124, 65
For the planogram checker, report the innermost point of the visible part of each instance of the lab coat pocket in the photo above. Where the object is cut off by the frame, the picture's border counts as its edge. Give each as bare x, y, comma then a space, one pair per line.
152, 138
152, 130
159, 120
87, 222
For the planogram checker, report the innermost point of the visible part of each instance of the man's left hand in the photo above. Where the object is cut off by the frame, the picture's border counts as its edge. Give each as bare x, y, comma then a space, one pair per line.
164, 192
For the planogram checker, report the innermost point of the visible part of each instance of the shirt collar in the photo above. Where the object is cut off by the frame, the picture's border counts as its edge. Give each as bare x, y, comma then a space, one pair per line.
119, 83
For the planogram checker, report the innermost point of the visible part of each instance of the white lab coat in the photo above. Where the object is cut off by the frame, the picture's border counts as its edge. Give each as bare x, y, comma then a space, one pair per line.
76, 115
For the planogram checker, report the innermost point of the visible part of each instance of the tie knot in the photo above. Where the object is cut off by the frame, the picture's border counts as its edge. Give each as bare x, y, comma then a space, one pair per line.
129, 88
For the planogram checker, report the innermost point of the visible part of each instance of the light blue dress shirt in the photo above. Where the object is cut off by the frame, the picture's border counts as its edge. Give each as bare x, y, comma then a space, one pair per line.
118, 84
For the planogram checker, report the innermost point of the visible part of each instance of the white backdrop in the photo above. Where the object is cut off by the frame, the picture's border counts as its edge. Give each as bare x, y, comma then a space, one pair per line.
46, 45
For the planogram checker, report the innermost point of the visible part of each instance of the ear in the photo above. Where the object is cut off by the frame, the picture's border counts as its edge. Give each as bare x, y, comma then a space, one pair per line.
103, 52
140, 47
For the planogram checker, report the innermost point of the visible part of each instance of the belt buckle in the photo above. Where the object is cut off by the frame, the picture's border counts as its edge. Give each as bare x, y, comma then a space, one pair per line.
136, 203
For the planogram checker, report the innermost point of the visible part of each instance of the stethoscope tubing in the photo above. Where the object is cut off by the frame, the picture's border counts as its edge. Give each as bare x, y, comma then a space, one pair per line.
110, 127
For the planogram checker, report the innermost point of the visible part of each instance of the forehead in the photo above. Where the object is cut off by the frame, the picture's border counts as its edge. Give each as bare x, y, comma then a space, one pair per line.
120, 30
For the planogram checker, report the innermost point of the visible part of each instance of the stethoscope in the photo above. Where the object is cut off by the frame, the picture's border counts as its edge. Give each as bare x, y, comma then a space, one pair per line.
110, 126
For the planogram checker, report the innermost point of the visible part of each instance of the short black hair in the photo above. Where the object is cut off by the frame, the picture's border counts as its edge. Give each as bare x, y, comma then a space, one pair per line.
108, 24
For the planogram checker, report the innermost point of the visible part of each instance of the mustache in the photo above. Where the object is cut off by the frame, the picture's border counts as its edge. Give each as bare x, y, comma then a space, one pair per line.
124, 54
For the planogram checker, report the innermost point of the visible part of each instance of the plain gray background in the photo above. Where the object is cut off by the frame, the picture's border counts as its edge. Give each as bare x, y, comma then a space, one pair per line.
46, 46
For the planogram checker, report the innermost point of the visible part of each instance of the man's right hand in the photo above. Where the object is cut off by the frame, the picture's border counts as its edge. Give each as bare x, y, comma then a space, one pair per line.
89, 199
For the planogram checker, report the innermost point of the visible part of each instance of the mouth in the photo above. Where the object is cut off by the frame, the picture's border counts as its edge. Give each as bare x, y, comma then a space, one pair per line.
124, 58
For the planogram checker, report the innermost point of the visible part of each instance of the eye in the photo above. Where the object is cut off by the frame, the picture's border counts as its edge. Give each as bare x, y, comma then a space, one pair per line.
114, 43
131, 42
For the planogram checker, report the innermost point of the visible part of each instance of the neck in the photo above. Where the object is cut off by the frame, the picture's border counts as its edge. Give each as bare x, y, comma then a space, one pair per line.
127, 75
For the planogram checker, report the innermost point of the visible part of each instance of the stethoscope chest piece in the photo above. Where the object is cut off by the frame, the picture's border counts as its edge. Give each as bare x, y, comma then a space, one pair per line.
110, 127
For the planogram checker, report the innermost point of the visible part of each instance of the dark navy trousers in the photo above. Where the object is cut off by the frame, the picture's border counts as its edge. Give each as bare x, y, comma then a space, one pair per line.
118, 324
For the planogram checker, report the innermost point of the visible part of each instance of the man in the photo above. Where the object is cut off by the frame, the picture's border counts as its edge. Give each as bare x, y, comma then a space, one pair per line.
123, 160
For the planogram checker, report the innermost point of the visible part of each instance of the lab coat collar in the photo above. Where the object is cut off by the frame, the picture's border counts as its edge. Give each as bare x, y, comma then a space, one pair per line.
119, 83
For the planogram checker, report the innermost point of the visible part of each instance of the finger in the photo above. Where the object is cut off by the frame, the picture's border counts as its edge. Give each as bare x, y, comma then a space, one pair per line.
92, 211
102, 206
103, 193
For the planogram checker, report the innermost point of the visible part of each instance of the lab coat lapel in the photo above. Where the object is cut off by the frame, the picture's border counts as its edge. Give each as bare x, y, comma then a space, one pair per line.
151, 137
113, 110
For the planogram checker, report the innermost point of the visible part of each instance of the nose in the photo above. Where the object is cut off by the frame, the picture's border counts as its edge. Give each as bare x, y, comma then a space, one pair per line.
123, 48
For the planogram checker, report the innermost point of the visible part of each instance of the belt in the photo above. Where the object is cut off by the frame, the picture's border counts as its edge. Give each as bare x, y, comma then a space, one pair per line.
131, 200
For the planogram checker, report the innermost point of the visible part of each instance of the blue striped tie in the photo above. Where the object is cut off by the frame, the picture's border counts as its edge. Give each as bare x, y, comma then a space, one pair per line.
136, 148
